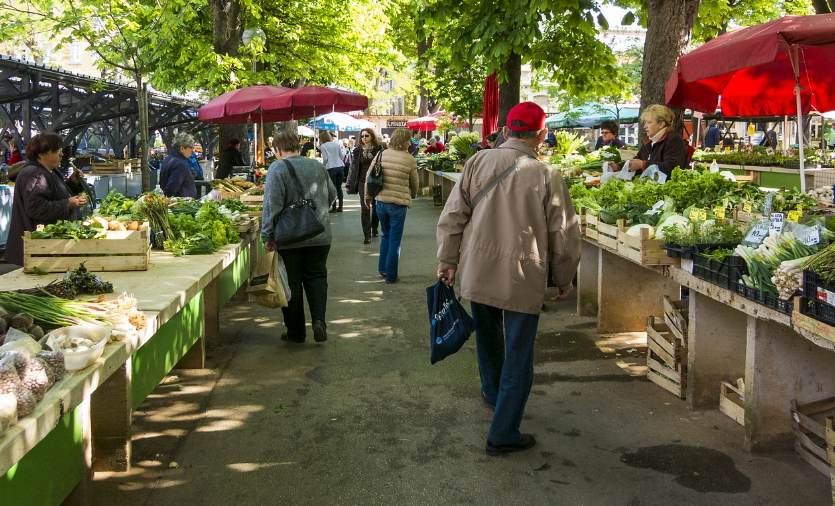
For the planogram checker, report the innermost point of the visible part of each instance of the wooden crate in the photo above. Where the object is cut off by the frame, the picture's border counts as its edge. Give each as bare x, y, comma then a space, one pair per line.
809, 427
607, 235
234, 195
643, 250
666, 358
252, 200
589, 222
120, 251
676, 314
732, 400
830, 453
745, 217
244, 228
115, 166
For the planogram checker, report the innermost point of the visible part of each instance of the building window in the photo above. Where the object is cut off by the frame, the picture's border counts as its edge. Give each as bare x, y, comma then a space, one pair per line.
75, 53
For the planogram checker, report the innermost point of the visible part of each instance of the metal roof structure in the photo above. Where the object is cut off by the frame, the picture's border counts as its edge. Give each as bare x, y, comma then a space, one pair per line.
46, 98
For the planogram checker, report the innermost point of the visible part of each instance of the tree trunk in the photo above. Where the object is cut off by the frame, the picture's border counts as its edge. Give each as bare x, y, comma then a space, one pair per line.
669, 29
510, 89
226, 39
147, 143
823, 7
423, 107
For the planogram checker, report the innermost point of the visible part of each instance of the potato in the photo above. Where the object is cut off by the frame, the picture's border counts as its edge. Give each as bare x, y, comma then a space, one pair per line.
114, 225
121, 226
134, 225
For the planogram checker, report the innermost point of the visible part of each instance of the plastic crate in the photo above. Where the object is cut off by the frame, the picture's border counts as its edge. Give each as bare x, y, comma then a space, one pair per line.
725, 274
817, 289
775, 302
818, 310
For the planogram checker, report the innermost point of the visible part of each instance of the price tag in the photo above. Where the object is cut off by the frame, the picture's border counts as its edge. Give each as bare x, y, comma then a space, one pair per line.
747, 207
727, 149
697, 214
794, 216
757, 234
719, 212
777, 220
810, 236
769, 198
769, 152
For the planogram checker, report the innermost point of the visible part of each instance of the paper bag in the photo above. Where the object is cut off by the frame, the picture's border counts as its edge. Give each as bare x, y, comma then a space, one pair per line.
264, 277
281, 296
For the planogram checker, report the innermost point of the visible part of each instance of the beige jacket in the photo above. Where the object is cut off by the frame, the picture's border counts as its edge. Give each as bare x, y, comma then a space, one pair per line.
501, 250
400, 179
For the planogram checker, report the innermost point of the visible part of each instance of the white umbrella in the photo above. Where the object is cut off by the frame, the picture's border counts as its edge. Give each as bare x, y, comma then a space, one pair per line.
337, 121
305, 131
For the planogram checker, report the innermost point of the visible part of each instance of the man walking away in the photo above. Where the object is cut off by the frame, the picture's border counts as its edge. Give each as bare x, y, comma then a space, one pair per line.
501, 243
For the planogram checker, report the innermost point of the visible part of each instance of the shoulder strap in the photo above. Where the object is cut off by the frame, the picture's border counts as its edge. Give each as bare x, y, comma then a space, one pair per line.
292, 171
498, 180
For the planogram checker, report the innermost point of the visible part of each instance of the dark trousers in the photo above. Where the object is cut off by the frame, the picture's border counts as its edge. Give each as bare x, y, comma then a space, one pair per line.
306, 268
504, 344
368, 216
336, 177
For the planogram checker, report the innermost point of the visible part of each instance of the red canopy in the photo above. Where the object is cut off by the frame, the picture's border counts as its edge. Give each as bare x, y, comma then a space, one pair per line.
752, 69
491, 107
309, 101
424, 124
239, 106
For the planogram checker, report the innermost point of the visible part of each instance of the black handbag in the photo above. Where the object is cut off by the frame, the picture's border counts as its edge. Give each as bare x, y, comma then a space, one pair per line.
374, 183
297, 222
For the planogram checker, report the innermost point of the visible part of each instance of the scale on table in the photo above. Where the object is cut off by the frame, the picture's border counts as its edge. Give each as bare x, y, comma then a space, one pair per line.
245, 171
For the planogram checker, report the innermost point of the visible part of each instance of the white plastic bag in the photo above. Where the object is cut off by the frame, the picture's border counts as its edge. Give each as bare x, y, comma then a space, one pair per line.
653, 172
624, 173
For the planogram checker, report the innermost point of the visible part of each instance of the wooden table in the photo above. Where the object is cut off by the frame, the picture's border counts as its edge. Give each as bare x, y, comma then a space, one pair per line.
83, 423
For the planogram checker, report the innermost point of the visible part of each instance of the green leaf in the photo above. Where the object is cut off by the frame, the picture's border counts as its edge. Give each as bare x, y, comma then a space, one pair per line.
628, 19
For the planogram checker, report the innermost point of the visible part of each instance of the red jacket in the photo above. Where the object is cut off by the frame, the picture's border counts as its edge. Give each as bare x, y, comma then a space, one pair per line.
438, 148
14, 158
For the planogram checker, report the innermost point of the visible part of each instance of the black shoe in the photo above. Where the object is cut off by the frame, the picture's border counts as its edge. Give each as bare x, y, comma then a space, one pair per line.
286, 337
383, 274
491, 405
526, 442
392, 282
320, 335
333, 210
374, 233
339, 210
367, 241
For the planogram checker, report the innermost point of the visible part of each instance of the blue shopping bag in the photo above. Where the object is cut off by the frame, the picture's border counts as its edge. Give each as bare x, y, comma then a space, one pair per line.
450, 325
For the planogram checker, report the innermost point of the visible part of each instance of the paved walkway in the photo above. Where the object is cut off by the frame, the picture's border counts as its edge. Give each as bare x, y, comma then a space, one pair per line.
364, 419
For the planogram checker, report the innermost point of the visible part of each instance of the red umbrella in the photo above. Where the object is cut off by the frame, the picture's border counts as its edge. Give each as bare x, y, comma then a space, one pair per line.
781, 67
303, 102
491, 107
236, 106
424, 124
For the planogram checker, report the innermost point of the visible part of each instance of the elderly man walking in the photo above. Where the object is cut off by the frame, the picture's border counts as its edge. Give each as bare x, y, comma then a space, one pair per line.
509, 218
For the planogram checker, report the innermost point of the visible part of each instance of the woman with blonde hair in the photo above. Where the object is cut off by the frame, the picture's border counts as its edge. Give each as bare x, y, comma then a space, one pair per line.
665, 148
332, 158
400, 184
369, 146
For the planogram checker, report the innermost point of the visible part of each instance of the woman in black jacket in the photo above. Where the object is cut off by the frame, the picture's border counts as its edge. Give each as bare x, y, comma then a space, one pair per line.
230, 157
42, 196
364, 153
175, 177
664, 148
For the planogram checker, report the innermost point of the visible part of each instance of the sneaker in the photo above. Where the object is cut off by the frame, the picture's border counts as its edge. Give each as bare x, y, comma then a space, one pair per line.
339, 210
373, 233
333, 210
526, 442
320, 334
367, 241
383, 274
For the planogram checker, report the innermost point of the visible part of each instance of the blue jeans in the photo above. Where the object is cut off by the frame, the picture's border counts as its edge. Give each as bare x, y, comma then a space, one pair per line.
336, 177
392, 218
505, 362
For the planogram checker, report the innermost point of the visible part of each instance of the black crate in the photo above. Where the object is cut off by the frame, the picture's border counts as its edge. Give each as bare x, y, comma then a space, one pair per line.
753, 294
437, 196
818, 310
775, 302
725, 274
815, 288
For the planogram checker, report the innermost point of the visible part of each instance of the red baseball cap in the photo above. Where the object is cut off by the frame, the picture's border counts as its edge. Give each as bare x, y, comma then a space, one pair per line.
526, 117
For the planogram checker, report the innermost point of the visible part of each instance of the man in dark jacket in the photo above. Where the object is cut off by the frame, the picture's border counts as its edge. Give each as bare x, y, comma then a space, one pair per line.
230, 157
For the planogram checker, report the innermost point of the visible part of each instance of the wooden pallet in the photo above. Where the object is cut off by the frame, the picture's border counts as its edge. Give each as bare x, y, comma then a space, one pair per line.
120, 251
666, 358
809, 427
732, 400
676, 314
830, 453
254, 200
643, 250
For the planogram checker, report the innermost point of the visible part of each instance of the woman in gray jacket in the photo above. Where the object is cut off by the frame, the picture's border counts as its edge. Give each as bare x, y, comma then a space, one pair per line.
306, 261
400, 184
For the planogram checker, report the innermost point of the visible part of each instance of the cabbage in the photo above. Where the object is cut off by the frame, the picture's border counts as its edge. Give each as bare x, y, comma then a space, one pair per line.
635, 231
675, 220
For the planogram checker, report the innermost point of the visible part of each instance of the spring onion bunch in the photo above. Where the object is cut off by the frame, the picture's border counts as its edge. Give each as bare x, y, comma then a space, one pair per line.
155, 209
764, 260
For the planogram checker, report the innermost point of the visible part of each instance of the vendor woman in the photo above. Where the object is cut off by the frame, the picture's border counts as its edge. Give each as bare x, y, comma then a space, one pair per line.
665, 148
42, 195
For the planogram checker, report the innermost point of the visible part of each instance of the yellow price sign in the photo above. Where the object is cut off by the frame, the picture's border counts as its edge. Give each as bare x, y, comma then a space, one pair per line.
697, 214
702, 214
747, 207
794, 216
727, 149
719, 212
